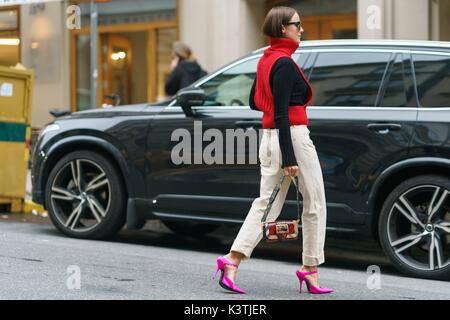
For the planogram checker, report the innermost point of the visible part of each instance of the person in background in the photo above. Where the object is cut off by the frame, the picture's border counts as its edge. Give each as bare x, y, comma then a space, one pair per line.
184, 69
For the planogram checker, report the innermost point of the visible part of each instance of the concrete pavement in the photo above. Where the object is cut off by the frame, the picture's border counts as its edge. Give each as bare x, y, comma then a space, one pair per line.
35, 262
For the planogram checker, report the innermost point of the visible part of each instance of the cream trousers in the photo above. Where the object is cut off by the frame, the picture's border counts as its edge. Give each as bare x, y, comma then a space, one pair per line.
313, 221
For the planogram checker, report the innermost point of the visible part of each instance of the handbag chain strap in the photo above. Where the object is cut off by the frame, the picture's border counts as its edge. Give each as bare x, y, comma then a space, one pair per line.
274, 194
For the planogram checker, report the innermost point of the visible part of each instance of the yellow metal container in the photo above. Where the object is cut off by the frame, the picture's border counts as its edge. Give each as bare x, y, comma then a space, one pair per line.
16, 87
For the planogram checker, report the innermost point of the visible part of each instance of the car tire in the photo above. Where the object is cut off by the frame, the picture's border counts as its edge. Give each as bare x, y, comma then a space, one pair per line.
91, 211
414, 236
190, 229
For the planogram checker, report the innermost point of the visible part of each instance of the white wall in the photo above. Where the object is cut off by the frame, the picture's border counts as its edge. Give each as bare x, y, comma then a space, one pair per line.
398, 19
220, 31
252, 17
50, 60
411, 19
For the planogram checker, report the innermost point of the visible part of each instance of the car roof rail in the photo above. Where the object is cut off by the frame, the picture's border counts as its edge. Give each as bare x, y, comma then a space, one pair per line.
370, 42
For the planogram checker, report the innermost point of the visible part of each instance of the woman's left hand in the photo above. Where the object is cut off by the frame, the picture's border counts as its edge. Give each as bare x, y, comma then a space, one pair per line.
291, 171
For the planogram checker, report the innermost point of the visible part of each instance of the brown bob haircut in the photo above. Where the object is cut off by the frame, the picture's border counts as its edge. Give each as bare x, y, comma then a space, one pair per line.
274, 20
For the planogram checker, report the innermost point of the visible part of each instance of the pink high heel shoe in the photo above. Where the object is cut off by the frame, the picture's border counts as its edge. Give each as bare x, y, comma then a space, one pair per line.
226, 282
312, 289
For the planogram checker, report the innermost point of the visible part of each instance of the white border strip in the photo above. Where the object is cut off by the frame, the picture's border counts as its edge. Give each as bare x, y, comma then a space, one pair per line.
4, 3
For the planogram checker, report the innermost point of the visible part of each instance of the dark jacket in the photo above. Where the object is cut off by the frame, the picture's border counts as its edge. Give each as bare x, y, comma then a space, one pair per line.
184, 74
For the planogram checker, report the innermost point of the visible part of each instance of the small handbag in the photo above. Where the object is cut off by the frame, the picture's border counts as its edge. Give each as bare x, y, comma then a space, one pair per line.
281, 230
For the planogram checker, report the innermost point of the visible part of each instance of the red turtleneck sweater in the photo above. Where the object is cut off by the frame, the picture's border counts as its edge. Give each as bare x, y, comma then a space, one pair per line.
292, 93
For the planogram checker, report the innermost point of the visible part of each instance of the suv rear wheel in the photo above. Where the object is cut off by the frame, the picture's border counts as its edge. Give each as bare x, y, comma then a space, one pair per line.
414, 227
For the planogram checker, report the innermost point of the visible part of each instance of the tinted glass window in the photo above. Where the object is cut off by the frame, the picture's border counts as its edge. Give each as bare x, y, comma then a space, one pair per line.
399, 85
233, 86
301, 58
433, 79
347, 78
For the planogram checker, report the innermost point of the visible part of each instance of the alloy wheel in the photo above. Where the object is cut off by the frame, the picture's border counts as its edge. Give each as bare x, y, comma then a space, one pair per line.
80, 195
418, 227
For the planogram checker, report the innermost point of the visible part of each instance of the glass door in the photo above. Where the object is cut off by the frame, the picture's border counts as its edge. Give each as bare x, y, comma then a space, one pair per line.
117, 73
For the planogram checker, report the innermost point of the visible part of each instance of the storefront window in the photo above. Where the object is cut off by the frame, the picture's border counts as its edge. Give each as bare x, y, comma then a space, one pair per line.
129, 12
9, 19
165, 39
9, 36
133, 60
83, 84
325, 19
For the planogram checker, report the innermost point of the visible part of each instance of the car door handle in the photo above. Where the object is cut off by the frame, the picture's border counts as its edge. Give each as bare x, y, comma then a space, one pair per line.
248, 123
384, 127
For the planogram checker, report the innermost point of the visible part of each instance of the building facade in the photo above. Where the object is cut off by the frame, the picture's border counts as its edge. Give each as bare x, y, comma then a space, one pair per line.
228, 29
135, 38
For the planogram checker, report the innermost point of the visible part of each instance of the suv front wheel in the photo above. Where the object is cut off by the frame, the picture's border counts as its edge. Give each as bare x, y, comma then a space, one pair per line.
414, 227
85, 196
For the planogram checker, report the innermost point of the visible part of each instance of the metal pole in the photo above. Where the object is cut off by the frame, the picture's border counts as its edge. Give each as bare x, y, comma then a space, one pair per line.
94, 73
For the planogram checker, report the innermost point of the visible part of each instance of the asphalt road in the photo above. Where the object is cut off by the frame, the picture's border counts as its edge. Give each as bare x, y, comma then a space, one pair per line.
36, 260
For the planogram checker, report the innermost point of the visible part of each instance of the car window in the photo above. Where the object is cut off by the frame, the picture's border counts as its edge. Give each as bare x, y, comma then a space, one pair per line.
399, 84
433, 79
232, 87
301, 58
347, 78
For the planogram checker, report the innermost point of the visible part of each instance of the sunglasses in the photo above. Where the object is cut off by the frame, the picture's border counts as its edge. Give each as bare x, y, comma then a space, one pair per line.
297, 24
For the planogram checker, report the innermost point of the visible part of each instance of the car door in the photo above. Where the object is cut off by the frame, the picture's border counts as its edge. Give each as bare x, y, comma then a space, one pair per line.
361, 121
209, 182
222, 189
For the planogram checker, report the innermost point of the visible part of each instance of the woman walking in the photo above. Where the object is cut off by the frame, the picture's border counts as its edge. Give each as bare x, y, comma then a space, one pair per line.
185, 69
282, 92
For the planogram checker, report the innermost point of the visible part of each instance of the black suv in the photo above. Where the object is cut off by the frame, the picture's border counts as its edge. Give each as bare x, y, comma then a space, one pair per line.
380, 121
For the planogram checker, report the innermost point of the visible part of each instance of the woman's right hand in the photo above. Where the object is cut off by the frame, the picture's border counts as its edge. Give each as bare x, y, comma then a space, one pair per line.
174, 62
291, 171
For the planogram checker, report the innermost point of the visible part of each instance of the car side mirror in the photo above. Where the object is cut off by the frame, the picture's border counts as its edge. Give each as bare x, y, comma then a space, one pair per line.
189, 97
59, 113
